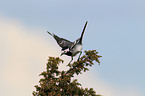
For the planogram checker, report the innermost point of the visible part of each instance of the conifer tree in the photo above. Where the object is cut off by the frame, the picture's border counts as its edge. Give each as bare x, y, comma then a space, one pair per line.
60, 83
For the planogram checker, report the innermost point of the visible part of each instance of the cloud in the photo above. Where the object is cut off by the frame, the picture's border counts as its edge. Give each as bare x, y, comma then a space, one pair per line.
23, 56
94, 80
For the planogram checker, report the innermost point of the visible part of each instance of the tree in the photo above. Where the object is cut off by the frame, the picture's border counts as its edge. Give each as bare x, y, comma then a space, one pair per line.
59, 83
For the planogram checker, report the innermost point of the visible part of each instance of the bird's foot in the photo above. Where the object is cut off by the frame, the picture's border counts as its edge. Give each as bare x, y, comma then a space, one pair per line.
69, 65
78, 59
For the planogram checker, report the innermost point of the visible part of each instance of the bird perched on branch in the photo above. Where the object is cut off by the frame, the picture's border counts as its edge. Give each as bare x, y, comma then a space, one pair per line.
70, 48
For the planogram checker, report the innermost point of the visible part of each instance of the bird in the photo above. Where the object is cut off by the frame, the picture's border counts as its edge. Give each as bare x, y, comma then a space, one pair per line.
70, 48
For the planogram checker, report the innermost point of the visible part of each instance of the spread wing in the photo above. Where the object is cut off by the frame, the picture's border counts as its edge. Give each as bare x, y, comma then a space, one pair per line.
63, 43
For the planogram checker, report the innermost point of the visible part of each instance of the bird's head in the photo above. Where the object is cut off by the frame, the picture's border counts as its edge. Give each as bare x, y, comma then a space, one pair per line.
68, 53
64, 52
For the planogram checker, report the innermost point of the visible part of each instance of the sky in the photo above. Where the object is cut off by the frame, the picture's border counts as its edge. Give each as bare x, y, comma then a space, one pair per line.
115, 29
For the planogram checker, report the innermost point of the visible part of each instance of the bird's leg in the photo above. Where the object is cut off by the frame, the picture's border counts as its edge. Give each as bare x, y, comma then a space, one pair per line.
79, 56
71, 60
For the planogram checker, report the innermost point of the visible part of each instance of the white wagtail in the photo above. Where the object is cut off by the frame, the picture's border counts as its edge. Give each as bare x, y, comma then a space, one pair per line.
70, 48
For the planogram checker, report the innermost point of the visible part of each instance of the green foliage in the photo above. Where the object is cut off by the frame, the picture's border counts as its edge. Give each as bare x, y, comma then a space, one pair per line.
58, 83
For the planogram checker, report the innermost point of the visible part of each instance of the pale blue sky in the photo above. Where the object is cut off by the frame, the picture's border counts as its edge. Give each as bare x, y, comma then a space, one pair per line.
116, 29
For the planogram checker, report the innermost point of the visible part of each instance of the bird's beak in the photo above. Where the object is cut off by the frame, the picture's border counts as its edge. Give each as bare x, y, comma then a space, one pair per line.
62, 54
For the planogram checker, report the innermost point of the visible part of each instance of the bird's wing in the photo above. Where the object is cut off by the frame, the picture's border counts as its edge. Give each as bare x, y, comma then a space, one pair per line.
79, 40
83, 32
63, 43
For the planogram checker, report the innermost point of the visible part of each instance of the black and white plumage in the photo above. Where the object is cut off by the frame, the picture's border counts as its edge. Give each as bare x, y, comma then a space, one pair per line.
70, 48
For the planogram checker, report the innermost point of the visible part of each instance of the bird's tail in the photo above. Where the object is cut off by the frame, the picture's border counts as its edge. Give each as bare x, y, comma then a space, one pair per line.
83, 32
